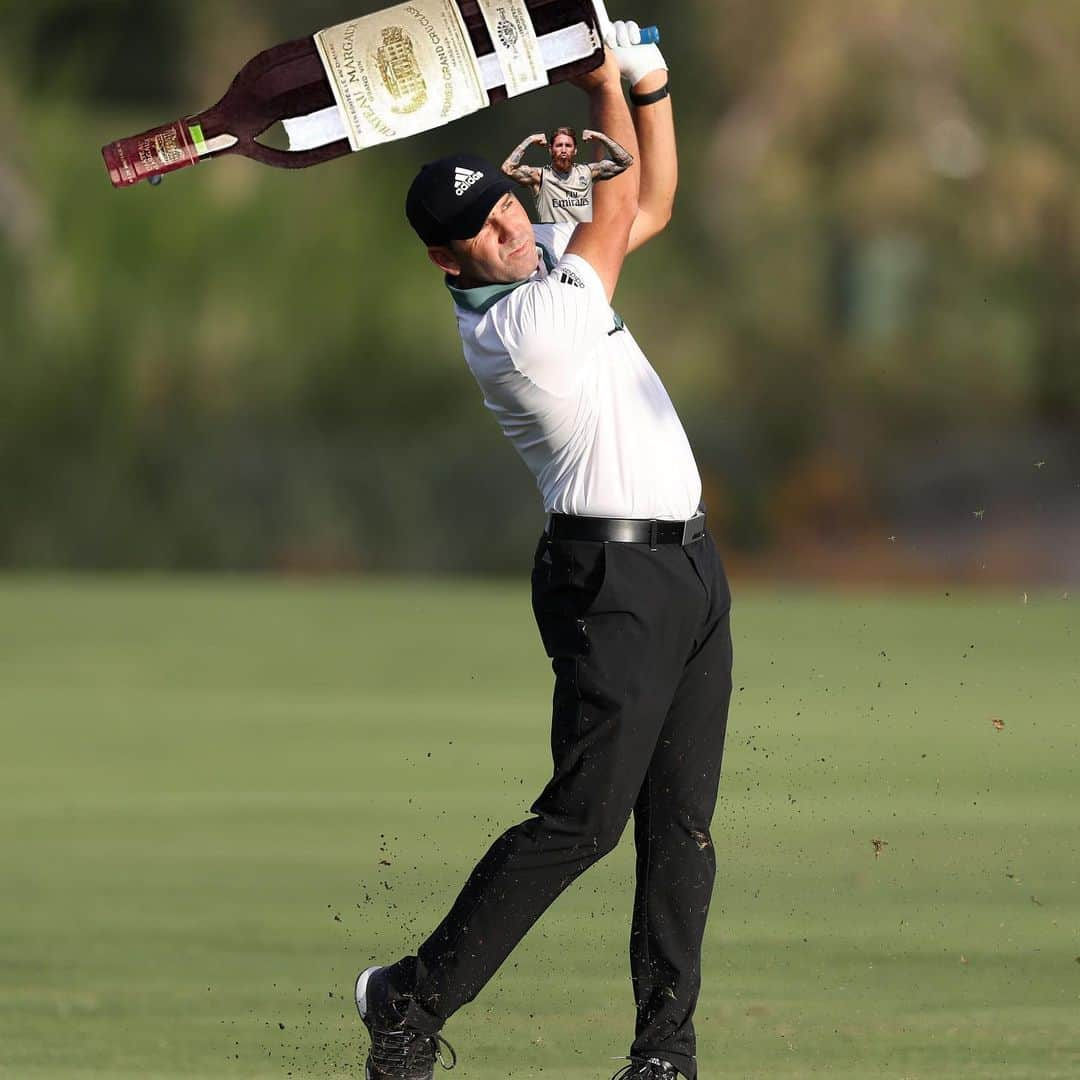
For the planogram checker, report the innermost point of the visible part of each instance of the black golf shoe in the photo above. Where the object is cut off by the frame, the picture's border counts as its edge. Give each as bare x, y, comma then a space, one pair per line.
647, 1069
398, 1051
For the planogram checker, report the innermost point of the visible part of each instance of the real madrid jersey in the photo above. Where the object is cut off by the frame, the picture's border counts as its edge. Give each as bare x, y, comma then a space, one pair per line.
565, 198
575, 394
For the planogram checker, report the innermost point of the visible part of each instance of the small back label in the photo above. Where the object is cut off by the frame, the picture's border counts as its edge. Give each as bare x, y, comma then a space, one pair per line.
516, 45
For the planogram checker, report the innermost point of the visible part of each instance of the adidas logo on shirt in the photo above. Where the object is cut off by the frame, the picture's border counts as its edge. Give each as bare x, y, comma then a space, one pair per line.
464, 179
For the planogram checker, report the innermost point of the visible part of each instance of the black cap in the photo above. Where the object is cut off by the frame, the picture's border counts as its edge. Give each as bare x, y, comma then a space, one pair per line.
451, 198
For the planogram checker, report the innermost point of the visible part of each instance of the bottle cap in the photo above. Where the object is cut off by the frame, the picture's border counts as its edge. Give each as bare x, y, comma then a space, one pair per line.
121, 171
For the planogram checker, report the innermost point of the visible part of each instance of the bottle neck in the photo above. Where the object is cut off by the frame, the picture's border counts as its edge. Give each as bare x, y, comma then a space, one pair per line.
161, 150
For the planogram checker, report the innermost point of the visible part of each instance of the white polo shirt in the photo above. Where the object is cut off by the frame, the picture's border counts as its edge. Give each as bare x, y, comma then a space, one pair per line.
575, 394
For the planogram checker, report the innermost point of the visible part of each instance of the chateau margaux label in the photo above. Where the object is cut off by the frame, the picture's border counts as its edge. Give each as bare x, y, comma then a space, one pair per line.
380, 77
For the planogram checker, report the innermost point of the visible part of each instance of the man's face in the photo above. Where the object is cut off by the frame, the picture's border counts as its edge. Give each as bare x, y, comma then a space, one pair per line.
504, 250
563, 150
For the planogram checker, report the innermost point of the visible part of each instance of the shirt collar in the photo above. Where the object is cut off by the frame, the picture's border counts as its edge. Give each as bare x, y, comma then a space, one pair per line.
483, 298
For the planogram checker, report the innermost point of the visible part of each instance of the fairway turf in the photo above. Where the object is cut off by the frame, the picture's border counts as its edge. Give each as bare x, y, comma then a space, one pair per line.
222, 798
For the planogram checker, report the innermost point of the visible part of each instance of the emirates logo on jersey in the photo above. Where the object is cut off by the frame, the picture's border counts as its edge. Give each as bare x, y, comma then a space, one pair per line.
465, 179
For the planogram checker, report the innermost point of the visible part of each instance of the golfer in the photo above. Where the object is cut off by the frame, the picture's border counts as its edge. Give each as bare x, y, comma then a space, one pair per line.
628, 590
564, 192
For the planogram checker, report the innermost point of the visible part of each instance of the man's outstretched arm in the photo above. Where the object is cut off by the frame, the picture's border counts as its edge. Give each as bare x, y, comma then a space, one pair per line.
609, 168
659, 157
602, 242
524, 174
644, 68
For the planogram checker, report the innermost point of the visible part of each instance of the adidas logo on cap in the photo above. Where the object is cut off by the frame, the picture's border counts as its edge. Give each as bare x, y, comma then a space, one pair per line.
464, 179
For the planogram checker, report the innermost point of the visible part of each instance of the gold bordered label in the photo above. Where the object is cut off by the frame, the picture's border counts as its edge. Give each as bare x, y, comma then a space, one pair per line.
401, 71
516, 45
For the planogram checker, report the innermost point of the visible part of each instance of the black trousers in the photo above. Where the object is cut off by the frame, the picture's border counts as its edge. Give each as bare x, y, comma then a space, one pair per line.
640, 644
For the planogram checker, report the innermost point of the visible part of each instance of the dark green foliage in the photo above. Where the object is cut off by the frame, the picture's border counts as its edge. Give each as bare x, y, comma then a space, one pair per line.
876, 244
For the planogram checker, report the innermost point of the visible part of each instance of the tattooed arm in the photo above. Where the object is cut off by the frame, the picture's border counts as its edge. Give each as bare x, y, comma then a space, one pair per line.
524, 174
611, 167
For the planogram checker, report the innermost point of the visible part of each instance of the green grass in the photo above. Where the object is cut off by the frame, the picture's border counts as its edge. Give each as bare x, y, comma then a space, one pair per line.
200, 779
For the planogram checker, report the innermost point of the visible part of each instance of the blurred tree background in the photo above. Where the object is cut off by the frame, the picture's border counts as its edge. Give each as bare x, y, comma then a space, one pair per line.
867, 307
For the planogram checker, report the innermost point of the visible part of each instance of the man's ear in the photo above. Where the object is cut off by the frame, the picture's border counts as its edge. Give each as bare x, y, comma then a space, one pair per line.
445, 260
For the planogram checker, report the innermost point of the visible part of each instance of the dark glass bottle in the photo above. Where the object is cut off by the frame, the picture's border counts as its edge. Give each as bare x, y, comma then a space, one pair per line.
296, 80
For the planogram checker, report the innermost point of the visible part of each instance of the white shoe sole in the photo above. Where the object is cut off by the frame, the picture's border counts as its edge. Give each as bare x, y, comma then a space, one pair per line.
362, 981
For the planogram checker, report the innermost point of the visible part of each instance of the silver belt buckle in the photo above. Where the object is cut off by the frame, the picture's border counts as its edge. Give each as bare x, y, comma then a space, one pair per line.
694, 529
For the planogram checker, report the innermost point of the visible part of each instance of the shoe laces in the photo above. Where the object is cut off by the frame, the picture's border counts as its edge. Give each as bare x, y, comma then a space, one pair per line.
407, 1054
646, 1069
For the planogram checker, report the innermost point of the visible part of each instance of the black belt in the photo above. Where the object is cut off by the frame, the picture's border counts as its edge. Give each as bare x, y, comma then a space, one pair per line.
626, 530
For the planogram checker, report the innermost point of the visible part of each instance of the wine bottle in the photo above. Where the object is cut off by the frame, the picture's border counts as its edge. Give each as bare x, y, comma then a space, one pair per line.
380, 77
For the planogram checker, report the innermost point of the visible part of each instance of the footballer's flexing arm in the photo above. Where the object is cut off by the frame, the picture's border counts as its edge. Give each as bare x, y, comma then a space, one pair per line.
611, 167
524, 174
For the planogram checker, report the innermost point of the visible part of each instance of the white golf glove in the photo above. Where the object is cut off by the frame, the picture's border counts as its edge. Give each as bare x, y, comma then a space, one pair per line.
635, 60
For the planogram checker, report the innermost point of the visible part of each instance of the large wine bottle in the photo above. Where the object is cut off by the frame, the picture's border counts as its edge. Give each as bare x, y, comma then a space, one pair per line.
380, 77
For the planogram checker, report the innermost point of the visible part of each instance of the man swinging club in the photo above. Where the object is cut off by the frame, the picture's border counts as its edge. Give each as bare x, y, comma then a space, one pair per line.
564, 192
628, 590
